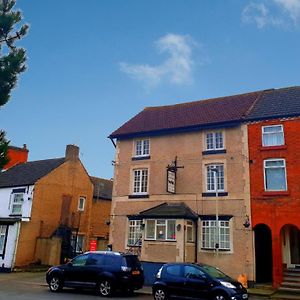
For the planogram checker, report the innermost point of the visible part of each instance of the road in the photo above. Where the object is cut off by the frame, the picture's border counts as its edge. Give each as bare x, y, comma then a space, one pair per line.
32, 286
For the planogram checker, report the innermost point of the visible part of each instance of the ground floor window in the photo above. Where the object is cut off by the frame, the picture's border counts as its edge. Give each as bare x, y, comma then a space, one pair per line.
77, 243
135, 233
3, 233
215, 234
190, 231
161, 229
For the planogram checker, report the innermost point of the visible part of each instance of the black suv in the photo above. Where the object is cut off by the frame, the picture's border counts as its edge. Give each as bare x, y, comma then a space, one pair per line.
104, 271
196, 281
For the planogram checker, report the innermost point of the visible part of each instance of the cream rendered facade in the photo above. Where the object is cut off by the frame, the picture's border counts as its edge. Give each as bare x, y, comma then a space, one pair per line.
191, 189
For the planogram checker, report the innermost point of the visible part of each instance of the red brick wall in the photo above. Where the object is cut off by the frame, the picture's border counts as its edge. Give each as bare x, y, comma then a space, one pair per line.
275, 209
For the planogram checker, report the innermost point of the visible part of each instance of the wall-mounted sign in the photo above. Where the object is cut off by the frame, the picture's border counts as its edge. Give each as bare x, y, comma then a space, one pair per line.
93, 245
171, 181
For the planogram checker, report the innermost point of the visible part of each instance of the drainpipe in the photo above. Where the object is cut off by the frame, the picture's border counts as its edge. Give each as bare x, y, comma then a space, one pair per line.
196, 241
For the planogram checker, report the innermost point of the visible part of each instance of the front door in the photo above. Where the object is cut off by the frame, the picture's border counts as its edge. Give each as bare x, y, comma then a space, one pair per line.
291, 246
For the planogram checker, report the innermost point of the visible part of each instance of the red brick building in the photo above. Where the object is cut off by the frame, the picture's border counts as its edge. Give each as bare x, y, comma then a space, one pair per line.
274, 159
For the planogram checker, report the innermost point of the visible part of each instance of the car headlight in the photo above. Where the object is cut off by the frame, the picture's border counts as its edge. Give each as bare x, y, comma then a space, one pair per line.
228, 285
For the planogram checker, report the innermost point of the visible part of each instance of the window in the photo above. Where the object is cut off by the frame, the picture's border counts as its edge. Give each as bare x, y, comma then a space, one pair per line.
189, 231
142, 148
134, 233
173, 270
3, 230
81, 203
215, 173
80, 260
193, 273
79, 243
140, 185
160, 230
212, 235
214, 140
275, 175
272, 135
17, 202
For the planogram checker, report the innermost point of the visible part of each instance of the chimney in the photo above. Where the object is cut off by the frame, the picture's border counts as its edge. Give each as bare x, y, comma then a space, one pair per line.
72, 152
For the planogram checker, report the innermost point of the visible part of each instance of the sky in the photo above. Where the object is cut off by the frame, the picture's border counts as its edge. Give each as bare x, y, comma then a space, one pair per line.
92, 65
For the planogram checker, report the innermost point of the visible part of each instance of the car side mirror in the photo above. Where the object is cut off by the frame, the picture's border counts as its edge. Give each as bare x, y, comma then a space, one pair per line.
70, 264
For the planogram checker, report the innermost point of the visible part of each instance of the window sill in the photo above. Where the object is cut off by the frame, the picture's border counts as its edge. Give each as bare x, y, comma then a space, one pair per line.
270, 148
138, 196
213, 194
160, 241
15, 215
208, 152
275, 193
140, 157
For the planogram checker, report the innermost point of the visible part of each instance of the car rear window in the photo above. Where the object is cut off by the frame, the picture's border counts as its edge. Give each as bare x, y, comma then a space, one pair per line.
132, 261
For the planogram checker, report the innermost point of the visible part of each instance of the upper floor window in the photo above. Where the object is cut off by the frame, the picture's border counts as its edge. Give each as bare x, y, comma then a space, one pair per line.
17, 202
215, 234
215, 178
140, 181
142, 148
214, 140
81, 203
272, 135
275, 175
134, 233
160, 229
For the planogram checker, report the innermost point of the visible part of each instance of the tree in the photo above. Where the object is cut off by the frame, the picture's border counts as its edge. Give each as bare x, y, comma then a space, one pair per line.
3, 150
12, 59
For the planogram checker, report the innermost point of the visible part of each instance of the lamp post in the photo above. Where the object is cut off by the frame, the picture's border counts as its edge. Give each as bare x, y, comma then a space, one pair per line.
216, 173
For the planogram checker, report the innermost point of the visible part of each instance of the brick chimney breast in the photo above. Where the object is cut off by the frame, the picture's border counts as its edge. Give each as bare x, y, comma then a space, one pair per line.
72, 152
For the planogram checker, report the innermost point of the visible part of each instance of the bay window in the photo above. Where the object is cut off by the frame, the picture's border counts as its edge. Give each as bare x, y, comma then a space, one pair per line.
161, 230
134, 233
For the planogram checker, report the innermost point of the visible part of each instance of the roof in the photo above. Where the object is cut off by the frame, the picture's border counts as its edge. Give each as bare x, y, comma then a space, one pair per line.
187, 116
276, 103
169, 210
102, 188
28, 173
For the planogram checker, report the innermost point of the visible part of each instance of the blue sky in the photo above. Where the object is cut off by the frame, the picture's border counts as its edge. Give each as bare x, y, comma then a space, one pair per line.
94, 64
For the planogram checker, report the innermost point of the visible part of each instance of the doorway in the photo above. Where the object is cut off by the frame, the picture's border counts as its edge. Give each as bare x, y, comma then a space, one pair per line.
263, 254
291, 246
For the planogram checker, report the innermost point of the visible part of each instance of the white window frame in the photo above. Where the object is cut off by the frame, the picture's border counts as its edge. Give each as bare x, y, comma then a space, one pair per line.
214, 140
142, 147
208, 227
134, 233
265, 175
3, 233
140, 181
81, 203
272, 133
18, 203
210, 180
190, 226
166, 223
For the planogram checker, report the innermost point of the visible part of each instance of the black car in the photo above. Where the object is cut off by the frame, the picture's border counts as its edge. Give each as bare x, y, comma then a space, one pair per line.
196, 281
105, 271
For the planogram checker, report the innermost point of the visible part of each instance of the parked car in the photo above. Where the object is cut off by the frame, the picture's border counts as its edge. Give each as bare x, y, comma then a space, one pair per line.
196, 281
105, 271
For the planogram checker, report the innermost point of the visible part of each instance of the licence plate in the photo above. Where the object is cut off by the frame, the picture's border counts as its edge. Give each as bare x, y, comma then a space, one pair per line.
245, 296
135, 272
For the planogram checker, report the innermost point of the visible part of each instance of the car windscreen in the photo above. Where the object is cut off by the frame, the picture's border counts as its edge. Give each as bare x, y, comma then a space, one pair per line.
132, 261
214, 272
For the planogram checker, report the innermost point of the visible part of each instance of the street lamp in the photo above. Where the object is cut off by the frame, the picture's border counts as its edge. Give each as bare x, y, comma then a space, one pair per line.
216, 173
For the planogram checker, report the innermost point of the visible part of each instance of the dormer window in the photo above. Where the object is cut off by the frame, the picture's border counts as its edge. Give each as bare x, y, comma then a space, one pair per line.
272, 135
214, 140
142, 148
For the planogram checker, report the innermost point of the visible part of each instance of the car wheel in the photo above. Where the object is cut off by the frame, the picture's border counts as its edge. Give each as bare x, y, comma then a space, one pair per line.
55, 284
160, 294
105, 288
219, 296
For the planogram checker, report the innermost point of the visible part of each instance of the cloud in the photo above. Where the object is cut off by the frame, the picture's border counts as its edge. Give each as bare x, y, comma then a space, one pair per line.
177, 67
278, 13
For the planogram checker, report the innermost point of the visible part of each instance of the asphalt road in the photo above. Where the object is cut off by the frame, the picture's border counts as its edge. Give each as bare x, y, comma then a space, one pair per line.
32, 286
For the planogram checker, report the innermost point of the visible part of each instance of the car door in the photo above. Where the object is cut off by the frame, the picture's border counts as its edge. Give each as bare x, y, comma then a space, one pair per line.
94, 267
173, 277
74, 272
196, 282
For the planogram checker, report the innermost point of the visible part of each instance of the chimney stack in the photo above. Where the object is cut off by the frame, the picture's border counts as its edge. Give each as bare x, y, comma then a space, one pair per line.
72, 152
